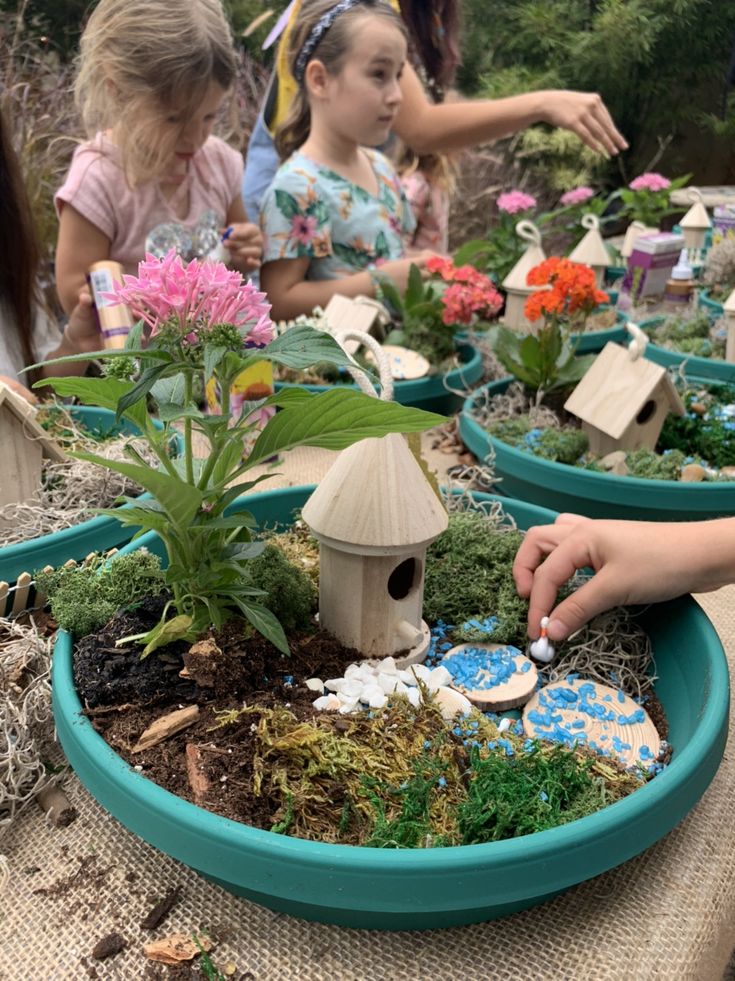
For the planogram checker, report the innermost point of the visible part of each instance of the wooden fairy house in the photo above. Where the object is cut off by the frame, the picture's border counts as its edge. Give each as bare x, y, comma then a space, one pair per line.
374, 515
729, 311
515, 283
696, 222
634, 230
24, 445
622, 401
344, 314
591, 250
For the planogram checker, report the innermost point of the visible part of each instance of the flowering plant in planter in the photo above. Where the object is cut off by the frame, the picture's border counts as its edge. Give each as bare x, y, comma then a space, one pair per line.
502, 248
646, 198
202, 322
431, 312
547, 361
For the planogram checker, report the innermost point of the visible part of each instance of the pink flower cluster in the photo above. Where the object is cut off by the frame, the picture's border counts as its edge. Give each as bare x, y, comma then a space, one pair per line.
578, 195
470, 293
649, 182
514, 201
195, 296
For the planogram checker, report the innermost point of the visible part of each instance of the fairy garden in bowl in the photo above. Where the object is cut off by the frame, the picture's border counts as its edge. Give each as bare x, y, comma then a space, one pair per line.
408, 715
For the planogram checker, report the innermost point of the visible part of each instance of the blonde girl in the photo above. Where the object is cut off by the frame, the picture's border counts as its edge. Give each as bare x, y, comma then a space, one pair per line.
335, 214
152, 78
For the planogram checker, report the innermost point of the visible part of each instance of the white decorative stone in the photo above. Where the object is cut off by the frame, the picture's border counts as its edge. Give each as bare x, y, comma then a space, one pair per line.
327, 703
438, 677
414, 697
334, 684
315, 684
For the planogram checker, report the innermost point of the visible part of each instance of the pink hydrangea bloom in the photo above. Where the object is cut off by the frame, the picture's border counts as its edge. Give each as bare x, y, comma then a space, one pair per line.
578, 195
514, 201
649, 182
195, 297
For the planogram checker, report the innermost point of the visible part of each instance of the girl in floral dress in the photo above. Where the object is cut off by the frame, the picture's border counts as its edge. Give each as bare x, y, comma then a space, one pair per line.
336, 214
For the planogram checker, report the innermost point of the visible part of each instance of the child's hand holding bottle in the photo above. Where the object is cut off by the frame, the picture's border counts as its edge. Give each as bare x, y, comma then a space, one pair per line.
244, 242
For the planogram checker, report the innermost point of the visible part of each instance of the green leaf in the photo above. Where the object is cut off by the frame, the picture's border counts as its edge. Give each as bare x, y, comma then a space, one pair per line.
141, 388
170, 390
242, 551
166, 633
287, 204
134, 340
240, 519
415, 290
180, 500
172, 411
470, 250
303, 346
103, 392
529, 351
335, 419
212, 357
265, 623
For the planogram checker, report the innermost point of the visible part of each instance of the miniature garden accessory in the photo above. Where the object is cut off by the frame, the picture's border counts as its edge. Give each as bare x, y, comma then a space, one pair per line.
542, 649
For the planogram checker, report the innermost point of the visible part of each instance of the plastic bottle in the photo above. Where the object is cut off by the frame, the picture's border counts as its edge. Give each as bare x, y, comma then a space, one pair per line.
680, 287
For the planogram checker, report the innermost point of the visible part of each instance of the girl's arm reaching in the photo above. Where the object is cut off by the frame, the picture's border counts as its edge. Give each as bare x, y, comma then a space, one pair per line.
634, 562
430, 128
292, 295
80, 243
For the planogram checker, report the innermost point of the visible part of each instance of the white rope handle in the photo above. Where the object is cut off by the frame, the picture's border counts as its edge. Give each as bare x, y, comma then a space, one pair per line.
381, 360
528, 232
695, 195
639, 342
590, 221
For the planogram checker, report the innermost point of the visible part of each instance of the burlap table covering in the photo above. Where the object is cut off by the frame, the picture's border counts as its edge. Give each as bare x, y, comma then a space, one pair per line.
667, 914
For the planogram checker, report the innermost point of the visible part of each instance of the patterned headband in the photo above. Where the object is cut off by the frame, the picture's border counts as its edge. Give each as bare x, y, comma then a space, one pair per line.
317, 33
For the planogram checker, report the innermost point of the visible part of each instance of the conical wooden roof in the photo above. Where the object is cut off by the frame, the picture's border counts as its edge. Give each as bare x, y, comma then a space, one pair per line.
591, 250
375, 500
696, 217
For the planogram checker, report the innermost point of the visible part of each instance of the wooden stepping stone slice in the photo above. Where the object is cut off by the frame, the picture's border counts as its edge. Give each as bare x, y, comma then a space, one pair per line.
508, 694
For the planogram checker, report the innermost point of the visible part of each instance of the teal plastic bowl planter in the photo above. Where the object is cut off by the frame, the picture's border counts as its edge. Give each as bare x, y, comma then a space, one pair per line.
97, 534
441, 887
712, 369
713, 307
597, 495
614, 273
435, 393
590, 342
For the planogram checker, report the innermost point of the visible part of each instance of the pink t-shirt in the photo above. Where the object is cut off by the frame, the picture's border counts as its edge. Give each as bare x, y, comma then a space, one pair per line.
430, 205
141, 220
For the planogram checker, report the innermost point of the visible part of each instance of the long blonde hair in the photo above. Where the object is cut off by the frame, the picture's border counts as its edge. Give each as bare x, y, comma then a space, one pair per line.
332, 51
142, 60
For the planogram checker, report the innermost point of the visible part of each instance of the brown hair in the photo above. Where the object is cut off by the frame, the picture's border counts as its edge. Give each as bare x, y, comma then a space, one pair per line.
19, 255
433, 28
138, 58
332, 51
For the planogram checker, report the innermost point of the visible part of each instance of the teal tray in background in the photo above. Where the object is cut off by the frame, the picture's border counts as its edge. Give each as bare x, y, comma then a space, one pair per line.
712, 369
395, 889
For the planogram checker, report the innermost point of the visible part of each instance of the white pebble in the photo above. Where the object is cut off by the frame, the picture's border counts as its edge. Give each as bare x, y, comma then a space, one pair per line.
400, 688
370, 690
327, 703
420, 671
347, 708
334, 684
407, 677
388, 665
414, 697
352, 671
504, 725
388, 682
315, 684
439, 677
351, 688
377, 700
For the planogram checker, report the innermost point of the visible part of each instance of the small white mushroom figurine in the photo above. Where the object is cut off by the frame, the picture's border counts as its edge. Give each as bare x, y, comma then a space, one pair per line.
542, 649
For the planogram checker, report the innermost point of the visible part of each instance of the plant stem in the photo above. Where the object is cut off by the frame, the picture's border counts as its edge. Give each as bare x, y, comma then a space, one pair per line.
188, 448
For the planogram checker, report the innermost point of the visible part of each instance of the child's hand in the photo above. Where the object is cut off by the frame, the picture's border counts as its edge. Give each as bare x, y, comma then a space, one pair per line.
244, 242
585, 114
398, 269
634, 562
19, 389
82, 333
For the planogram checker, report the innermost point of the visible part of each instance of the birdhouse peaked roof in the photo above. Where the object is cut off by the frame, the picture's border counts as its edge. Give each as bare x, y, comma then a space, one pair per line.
591, 250
24, 412
696, 217
616, 388
375, 499
516, 278
729, 304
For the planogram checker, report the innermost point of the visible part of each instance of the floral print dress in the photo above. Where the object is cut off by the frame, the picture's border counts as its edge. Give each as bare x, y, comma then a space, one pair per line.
309, 210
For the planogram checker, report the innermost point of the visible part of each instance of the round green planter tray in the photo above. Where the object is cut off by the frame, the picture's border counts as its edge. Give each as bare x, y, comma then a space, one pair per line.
614, 273
712, 369
441, 887
713, 307
597, 495
98, 534
435, 393
593, 341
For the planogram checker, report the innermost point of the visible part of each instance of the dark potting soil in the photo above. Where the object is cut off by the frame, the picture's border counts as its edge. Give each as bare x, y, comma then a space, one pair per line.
124, 695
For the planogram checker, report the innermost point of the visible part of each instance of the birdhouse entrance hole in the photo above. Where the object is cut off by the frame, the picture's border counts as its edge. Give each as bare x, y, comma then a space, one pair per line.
646, 412
403, 579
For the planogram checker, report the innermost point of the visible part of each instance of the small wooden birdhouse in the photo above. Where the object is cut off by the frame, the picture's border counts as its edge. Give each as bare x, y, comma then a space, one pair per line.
24, 445
634, 230
592, 251
515, 283
623, 401
374, 515
345, 313
696, 222
729, 311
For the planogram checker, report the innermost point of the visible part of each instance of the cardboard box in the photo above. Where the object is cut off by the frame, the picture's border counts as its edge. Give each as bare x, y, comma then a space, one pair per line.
650, 264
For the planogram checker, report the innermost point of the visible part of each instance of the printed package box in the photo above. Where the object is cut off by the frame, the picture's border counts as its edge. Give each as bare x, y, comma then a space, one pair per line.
650, 264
